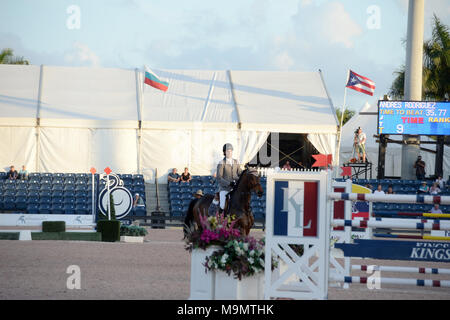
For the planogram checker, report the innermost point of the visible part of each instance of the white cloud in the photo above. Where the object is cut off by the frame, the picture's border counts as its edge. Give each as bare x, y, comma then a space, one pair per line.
81, 54
338, 26
283, 61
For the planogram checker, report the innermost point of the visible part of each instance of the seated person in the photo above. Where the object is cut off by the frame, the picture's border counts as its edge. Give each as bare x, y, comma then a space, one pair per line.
390, 190
173, 176
423, 188
186, 176
379, 190
12, 174
287, 166
440, 182
23, 174
435, 189
436, 209
138, 201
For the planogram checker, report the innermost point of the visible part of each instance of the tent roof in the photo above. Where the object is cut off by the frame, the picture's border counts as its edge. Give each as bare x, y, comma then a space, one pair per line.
295, 102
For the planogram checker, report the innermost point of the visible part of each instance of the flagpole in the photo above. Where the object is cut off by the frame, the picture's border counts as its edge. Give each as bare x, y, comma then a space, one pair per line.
141, 107
340, 125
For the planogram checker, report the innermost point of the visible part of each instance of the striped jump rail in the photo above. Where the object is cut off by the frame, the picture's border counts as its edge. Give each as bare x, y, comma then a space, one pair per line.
444, 222
407, 236
413, 214
390, 198
392, 225
402, 269
399, 281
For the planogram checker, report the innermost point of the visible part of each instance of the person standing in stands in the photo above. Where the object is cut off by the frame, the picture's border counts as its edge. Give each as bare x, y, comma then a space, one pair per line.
23, 174
228, 172
390, 190
186, 176
419, 165
12, 174
360, 144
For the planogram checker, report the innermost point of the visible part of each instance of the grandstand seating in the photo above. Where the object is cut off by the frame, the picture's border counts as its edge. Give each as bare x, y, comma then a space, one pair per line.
60, 193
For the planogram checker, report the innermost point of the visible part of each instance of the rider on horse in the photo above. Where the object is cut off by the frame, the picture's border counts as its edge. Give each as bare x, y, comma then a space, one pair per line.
228, 171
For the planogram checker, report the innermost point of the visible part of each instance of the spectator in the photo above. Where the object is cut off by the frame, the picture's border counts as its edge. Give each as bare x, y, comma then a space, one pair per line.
379, 190
138, 201
390, 190
435, 189
12, 174
173, 176
441, 182
287, 165
198, 194
360, 144
419, 165
23, 174
423, 188
436, 209
186, 176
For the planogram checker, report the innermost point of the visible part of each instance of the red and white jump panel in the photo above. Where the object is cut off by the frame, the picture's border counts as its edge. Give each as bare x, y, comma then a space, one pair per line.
402, 269
390, 198
398, 281
390, 224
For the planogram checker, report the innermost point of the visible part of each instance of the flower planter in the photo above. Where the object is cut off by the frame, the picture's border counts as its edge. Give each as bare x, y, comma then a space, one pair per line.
131, 239
202, 283
229, 288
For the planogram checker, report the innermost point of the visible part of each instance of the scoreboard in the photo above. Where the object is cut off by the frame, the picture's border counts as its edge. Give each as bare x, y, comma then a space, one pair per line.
414, 117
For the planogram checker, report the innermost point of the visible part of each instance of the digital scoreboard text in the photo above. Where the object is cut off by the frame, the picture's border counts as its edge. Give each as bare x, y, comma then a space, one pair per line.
414, 117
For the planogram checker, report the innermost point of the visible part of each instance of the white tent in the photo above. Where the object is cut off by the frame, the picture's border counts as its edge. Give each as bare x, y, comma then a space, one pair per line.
368, 124
63, 119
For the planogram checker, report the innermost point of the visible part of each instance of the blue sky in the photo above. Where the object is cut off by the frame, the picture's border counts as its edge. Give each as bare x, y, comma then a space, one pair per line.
288, 35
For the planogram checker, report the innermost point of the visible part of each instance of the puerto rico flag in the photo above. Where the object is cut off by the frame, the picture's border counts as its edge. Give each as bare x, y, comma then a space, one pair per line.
360, 83
296, 208
153, 80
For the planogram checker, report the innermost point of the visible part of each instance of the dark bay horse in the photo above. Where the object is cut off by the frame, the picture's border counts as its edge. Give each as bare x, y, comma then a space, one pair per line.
237, 203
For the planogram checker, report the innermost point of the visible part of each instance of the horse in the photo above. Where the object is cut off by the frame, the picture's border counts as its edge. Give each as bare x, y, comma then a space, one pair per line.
237, 203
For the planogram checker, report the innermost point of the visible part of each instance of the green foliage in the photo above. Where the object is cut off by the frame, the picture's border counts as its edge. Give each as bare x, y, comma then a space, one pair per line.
133, 231
110, 230
348, 114
72, 236
7, 57
9, 235
436, 66
53, 226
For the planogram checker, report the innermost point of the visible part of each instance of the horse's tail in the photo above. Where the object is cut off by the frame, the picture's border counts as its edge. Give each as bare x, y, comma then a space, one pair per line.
189, 219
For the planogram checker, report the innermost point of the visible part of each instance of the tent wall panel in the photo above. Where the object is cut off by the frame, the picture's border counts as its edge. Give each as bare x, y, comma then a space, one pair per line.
65, 150
116, 148
18, 145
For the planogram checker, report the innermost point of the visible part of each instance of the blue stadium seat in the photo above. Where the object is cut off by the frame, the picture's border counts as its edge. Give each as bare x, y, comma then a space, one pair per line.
57, 208
57, 200
81, 209
69, 179
175, 202
83, 176
80, 200
174, 188
185, 196
58, 176
45, 194
33, 208
175, 195
45, 200
9, 192
9, 203
69, 200
34, 187
45, 208
58, 187
21, 193
69, 187
139, 189
139, 211
22, 185
45, 186
69, 208
34, 175
33, 199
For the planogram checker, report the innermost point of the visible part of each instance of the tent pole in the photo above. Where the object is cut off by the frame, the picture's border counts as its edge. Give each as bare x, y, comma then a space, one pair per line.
340, 127
38, 119
139, 89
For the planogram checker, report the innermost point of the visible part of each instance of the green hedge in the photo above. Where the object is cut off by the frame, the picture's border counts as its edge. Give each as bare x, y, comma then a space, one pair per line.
110, 230
53, 226
133, 231
74, 236
9, 235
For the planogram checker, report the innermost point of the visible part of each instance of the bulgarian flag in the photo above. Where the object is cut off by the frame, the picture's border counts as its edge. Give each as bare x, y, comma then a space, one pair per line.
153, 80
